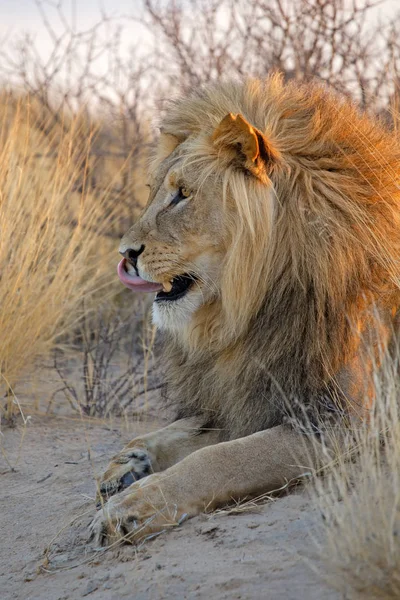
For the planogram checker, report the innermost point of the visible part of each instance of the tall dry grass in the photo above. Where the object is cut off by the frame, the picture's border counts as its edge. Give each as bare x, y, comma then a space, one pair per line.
359, 500
54, 255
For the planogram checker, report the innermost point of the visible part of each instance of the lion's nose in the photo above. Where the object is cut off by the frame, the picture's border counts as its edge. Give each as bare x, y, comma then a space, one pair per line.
132, 255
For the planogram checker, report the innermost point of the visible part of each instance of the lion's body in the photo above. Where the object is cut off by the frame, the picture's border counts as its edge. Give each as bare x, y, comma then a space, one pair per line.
332, 256
292, 235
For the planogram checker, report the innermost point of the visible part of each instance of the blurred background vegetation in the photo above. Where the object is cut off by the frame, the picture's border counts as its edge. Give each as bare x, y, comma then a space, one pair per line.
77, 118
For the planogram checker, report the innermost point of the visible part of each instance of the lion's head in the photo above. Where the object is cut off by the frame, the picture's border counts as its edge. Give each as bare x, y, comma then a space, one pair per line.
264, 190
204, 233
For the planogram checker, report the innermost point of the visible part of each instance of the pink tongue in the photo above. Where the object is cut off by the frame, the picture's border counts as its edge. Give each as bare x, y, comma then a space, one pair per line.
135, 283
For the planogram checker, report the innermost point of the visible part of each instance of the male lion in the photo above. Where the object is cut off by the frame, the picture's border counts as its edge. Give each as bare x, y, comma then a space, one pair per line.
271, 238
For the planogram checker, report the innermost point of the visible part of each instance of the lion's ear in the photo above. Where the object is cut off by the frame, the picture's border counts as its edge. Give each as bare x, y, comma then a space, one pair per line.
245, 145
167, 143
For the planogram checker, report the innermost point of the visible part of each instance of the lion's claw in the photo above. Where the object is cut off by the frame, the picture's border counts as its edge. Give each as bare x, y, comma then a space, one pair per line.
142, 510
128, 466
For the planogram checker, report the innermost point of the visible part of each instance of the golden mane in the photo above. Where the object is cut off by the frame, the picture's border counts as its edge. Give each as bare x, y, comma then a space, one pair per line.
310, 251
336, 188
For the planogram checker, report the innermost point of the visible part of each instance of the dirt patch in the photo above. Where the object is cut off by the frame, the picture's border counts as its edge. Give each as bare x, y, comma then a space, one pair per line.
248, 556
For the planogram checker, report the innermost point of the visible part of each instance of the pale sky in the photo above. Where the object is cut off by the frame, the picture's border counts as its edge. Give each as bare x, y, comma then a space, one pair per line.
18, 16
22, 16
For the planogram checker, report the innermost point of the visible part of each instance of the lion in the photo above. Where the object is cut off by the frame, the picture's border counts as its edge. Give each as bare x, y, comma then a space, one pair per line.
271, 242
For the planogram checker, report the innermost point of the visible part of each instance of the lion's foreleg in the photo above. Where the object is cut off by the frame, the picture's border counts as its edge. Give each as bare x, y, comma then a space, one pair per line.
155, 452
246, 467
171, 444
210, 477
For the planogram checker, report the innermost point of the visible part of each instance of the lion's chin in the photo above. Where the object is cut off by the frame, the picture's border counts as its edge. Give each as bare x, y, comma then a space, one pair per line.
175, 316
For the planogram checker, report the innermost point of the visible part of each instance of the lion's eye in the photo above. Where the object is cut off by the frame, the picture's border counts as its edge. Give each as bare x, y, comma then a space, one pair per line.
180, 195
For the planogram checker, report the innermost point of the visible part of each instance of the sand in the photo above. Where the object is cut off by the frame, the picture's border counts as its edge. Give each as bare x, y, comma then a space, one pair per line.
268, 553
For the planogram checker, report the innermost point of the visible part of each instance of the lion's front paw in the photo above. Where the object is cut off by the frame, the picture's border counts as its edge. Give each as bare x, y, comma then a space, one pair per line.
128, 466
144, 509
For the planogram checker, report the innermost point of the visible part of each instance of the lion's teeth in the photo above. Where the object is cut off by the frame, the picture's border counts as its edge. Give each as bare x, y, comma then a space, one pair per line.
129, 269
167, 286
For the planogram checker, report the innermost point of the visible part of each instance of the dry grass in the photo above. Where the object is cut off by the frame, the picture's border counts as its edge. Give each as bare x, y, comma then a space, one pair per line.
359, 500
54, 257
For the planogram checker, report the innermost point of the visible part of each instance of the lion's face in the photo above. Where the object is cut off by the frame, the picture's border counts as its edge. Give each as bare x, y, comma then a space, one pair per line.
181, 241
188, 242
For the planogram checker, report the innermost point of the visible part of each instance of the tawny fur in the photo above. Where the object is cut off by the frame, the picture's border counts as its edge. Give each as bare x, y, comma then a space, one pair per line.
287, 216
303, 277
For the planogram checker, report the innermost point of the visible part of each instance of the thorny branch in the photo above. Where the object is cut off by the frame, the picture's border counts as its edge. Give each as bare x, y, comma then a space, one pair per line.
105, 386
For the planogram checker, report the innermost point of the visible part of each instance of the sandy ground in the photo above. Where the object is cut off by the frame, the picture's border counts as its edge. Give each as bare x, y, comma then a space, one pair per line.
263, 554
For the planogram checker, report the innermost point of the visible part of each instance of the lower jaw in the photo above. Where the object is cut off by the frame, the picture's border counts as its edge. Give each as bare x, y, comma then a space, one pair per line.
176, 294
170, 300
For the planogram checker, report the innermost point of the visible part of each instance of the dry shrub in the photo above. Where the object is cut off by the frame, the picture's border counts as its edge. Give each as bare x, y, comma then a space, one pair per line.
359, 500
111, 367
53, 251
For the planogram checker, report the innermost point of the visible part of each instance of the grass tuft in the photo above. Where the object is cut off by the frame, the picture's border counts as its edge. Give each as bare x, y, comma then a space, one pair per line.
359, 500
